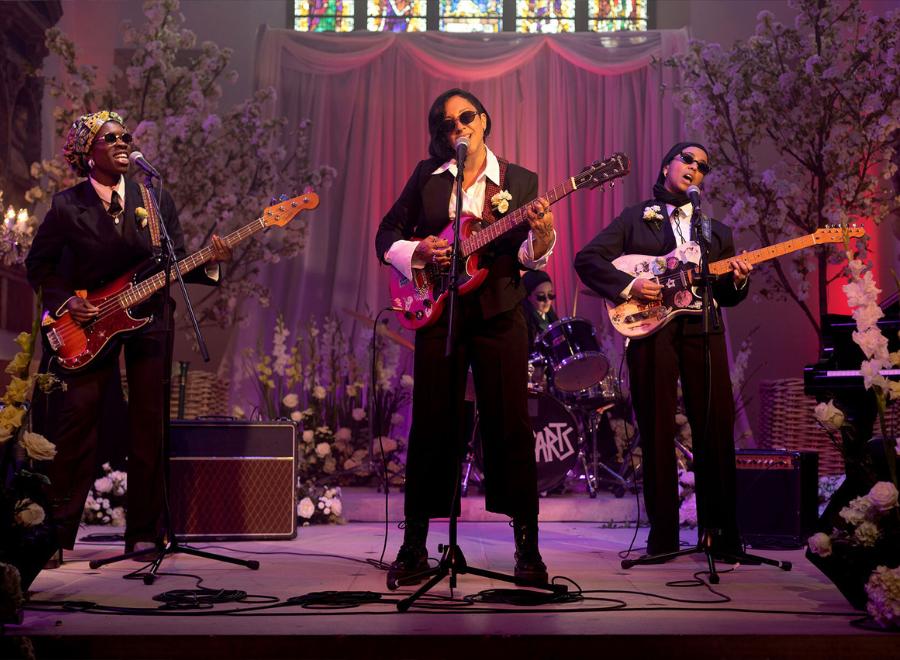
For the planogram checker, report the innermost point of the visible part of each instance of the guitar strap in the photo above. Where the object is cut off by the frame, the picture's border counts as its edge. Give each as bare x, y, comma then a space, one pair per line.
491, 189
152, 219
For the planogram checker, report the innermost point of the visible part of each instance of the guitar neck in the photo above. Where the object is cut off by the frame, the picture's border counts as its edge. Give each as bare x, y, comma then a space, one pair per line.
722, 266
506, 224
143, 290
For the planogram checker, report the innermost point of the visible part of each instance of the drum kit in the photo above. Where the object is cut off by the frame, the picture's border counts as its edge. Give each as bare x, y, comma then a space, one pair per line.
571, 387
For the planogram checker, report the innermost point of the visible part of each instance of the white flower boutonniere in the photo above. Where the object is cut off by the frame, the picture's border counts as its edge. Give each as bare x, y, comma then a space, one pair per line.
142, 215
501, 200
652, 213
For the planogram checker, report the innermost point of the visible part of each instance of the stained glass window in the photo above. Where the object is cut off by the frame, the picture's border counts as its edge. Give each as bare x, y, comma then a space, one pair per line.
323, 15
612, 15
533, 16
396, 16
471, 15
541, 16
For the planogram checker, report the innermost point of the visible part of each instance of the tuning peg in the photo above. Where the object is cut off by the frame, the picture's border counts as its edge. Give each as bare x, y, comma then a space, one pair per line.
283, 198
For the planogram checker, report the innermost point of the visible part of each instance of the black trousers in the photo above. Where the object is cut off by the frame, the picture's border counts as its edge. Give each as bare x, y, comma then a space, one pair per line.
497, 349
655, 363
70, 419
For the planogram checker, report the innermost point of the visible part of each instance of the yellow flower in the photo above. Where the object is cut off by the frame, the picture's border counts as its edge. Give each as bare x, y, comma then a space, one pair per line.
142, 215
24, 341
11, 417
19, 364
17, 390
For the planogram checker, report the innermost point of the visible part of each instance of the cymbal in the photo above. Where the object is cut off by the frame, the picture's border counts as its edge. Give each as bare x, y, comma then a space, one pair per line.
589, 292
382, 329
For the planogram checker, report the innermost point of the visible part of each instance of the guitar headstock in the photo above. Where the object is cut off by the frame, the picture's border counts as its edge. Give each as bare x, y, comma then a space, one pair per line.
282, 212
601, 171
837, 233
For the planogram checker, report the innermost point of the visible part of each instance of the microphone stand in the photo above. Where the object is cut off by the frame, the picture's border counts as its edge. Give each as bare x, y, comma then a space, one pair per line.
453, 562
707, 543
171, 545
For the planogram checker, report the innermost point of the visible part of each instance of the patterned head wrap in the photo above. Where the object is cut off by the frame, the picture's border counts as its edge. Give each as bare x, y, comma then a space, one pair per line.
81, 139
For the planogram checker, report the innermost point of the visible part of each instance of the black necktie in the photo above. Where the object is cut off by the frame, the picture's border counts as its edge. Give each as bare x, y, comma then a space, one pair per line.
676, 223
115, 206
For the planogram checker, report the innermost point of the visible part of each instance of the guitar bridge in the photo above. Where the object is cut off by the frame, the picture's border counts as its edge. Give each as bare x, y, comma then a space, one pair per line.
54, 339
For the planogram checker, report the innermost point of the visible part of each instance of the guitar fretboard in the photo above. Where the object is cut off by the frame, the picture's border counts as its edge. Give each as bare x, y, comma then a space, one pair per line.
496, 229
143, 290
764, 254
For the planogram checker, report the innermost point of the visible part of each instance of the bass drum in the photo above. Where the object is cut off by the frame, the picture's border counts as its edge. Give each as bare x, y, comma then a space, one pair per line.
555, 440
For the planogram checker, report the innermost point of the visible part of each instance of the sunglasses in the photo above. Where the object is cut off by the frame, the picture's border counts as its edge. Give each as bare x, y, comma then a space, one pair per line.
464, 118
687, 159
110, 138
544, 297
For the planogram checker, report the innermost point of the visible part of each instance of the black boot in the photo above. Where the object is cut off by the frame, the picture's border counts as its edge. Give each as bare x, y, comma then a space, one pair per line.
412, 558
529, 565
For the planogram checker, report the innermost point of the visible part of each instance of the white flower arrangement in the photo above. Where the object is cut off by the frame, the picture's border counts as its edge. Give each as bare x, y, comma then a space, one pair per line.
829, 416
105, 504
500, 201
653, 214
883, 589
318, 504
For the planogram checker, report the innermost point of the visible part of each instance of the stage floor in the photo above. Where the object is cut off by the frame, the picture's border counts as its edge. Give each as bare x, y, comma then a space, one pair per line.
632, 613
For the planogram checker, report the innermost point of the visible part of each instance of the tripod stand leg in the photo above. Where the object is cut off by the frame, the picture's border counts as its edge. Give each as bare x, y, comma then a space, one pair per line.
252, 564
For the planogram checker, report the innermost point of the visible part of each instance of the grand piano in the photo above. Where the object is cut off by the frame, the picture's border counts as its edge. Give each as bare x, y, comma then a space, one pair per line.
836, 376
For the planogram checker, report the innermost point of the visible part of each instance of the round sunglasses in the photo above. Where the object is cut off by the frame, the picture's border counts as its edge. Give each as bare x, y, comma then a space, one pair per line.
465, 118
544, 297
687, 159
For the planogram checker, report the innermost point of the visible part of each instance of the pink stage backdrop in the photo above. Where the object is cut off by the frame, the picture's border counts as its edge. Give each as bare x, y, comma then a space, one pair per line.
556, 102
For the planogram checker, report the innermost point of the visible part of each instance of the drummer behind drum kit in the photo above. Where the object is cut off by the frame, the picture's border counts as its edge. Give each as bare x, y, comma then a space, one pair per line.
571, 386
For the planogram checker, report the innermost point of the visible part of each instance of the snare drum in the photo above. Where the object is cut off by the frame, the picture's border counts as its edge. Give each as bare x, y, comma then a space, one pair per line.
573, 355
607, 392
555, 440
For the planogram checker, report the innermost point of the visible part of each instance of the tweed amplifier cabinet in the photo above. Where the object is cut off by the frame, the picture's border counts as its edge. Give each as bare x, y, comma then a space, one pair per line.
233, 480
777, 495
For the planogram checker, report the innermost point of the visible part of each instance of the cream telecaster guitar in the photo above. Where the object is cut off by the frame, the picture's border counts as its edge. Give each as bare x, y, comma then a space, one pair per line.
676, 271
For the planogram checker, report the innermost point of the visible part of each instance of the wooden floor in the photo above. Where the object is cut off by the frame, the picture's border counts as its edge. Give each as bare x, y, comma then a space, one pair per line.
756, 611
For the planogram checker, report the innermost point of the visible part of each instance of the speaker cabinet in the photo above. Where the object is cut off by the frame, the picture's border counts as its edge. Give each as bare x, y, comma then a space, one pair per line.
777, 497
233, 480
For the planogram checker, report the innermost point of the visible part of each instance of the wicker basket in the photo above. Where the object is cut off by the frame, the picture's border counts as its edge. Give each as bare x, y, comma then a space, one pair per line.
787, 422
205, 394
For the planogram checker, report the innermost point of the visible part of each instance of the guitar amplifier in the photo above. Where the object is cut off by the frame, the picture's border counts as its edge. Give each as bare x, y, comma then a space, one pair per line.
777, 497
233, 480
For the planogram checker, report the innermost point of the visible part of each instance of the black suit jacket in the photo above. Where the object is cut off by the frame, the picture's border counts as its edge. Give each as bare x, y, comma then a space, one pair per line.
78, 246
631, 234
423, 209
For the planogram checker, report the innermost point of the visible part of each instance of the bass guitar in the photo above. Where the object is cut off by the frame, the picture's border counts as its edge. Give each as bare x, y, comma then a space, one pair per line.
75, 345
422, 298
676, 272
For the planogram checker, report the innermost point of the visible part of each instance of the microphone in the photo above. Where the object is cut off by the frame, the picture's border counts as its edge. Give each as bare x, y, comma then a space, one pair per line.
693, 194
137, 159
462, 148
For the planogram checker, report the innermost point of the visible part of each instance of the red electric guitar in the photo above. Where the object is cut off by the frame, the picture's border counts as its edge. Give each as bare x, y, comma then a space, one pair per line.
76, 345
422, 298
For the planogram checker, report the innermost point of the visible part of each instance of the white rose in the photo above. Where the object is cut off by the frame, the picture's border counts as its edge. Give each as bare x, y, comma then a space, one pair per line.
359, 414
819, 544
352, 391
318, 392
829, 416
37, 446
237, 412
291, 400
396, 419
306, 508
103, 485
323, 449
385, 443
344, 434
336, 507
867, 533
28, 513
883, 496
297, 416
406, 381
308, 436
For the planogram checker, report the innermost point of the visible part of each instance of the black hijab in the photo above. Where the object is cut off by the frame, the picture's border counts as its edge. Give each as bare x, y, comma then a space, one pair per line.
659, 189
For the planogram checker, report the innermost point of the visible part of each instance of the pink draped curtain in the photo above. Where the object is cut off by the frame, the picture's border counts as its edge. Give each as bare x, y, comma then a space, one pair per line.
556, 103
